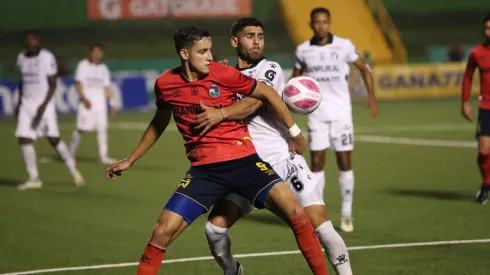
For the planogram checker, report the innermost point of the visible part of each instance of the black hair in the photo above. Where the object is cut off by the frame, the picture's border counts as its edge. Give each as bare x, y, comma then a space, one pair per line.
486, 18
31, 32
242, 23
319, 10
185, 36
95, 45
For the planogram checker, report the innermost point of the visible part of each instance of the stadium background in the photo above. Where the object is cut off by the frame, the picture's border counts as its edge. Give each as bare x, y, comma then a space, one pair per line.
414, 165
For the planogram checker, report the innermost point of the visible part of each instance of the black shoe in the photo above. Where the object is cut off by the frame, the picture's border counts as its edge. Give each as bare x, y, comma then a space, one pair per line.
482, 195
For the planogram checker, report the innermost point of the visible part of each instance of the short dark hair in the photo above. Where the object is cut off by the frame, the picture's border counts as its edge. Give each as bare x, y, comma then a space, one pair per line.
319, 10
486, 18
29, 32
185, 36
242, 23
95, 45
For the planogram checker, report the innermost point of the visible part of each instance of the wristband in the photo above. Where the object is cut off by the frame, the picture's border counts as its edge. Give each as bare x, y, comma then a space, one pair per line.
294, 130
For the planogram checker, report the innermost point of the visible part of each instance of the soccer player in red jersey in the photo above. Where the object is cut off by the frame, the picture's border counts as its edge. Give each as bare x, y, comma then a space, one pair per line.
480, 58
224, 159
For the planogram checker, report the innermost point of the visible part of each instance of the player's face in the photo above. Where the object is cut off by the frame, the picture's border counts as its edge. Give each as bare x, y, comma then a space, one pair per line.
32, 42
320, 24
199, 55
96, 54
486, 31
250, 43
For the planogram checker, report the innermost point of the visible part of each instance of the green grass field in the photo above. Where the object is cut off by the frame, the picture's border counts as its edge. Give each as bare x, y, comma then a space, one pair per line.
405, 193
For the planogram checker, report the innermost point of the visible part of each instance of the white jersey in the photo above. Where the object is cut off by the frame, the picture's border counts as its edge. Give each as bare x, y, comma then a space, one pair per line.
269, 134
94, 78
329, 65
35, 71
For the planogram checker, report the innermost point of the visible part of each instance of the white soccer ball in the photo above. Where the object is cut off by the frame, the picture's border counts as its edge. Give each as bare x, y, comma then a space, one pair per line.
302, 95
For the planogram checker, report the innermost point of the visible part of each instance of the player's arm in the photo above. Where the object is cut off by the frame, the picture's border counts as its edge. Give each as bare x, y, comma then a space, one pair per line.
155, 129
107, 90
298, 64
79, 71
367, 77
466, 87
241, 109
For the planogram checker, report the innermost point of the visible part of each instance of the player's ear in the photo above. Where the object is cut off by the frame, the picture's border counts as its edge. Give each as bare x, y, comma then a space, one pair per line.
234, 42
184, 54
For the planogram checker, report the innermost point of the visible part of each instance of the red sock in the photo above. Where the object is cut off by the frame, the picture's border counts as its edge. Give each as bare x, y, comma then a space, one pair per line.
484, 164
151, 260
309, 244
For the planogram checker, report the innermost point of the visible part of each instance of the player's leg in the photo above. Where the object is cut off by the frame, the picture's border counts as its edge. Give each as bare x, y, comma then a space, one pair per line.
76, 138
85, 122
310, 195
26, 136
342, 133
319, 135
49, 126
259, 183
222, 217
192, 198
101, 127
483, 135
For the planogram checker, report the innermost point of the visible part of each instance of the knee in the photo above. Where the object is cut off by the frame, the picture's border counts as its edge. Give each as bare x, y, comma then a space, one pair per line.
214, 230
317, 162
25, 141
54, 141
163, 233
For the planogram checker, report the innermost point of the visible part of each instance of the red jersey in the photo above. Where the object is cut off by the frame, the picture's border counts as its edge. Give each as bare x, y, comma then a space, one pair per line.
229, 140
479, 58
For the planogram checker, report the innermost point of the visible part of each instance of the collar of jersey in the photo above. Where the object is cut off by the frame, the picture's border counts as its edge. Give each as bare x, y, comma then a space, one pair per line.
253, 64
329, 40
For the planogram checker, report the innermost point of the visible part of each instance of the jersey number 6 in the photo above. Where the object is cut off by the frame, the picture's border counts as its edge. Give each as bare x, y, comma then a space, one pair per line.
297, 184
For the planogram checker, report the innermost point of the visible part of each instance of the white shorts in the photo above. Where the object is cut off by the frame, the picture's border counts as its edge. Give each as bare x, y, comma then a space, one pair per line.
91, 119
47, 127
337, 133
301, 180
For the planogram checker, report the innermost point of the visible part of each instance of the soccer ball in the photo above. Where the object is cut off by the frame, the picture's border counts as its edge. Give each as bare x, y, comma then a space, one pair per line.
302, 95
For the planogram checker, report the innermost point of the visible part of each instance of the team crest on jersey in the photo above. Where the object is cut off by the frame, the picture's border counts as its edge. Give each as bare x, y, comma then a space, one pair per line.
334, 56
214, 90
322, 56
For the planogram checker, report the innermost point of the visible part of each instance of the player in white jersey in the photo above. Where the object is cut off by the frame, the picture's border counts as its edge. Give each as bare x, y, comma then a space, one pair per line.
92, 81
326, 58
271, 140
36, 109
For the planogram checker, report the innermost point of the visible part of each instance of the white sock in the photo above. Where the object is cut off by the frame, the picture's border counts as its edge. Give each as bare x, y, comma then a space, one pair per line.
66, 156
321, 177
335, 247
75, 141
220, 246
29, 153
102, 142
346, 182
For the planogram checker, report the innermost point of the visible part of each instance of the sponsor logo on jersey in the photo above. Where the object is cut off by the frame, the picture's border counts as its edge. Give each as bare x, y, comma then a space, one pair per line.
214, 90
270, 74
322, 68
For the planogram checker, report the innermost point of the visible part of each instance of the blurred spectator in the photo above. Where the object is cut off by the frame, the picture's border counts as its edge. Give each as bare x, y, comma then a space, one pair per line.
456, 53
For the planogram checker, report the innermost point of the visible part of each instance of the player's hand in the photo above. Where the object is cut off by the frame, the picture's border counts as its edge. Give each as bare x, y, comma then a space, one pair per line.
87, 103
116, 168
113, 110
299, 143
223, 62
372, 107
466, 111
39, 115
292, 147
209, 118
